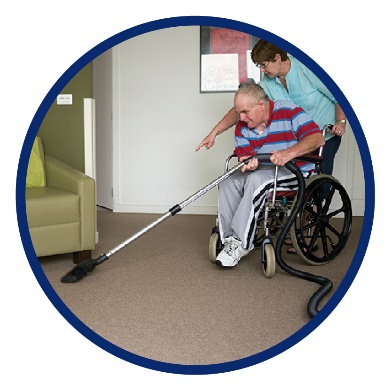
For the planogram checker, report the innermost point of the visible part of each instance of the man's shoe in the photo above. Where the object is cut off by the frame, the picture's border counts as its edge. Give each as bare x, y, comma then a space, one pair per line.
231, 254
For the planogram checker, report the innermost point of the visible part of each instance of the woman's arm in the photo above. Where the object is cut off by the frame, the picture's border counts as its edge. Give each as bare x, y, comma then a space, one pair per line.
339, 128
225, 123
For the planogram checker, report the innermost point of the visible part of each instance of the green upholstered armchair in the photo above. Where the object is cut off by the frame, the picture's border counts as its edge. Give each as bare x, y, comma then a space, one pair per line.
60, 205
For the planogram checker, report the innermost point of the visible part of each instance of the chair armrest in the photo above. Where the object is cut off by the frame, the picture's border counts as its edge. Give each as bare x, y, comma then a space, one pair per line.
61, 176
64, 177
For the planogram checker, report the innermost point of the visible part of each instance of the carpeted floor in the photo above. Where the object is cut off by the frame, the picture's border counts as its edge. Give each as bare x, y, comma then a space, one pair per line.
162, 299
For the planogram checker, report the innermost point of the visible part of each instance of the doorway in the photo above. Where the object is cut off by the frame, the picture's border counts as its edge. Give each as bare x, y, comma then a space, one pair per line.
102, 93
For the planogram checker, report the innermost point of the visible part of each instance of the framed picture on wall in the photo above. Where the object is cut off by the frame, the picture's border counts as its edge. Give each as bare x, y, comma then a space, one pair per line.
226, 59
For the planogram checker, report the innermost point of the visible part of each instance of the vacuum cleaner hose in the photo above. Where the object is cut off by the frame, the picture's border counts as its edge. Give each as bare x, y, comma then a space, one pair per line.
325, 284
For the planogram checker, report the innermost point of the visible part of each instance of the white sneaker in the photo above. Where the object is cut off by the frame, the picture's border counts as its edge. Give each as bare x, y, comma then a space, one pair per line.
231, 254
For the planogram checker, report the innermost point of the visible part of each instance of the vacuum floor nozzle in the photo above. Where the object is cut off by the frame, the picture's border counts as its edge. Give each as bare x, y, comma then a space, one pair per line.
78, 272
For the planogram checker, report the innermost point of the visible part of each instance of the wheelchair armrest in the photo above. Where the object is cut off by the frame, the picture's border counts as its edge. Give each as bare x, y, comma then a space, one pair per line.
310, 157
228, 160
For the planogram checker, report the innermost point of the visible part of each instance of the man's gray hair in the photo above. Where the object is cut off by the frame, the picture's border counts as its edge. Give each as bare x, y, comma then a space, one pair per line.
252, 90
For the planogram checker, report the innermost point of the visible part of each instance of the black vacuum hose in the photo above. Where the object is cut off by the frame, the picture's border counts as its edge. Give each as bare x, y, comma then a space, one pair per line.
325, 284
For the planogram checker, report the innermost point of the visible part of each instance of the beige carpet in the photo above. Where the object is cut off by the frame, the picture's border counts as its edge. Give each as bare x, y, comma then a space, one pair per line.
162, 299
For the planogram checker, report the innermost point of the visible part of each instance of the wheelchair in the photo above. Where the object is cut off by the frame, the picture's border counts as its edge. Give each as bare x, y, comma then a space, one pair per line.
320, 230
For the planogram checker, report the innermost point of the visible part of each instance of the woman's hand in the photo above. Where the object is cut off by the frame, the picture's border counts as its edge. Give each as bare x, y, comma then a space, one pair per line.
338, 129
207, 142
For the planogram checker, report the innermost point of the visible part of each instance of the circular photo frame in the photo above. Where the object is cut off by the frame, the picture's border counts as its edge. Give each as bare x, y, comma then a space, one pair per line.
179, 368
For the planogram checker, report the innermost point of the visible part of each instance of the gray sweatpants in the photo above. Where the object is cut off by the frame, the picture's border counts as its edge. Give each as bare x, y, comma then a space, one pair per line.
242, 196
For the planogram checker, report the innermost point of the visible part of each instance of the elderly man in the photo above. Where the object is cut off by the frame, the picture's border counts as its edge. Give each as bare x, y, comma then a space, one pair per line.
265, 126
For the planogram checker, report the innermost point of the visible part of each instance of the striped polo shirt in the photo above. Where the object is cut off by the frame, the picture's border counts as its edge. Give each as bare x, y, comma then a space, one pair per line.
287, 125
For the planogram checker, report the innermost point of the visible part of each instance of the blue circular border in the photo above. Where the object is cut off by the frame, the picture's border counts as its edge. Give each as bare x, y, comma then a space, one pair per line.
178, 368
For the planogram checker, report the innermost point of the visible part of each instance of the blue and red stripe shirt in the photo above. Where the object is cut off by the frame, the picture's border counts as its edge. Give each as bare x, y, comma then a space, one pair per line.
287, 125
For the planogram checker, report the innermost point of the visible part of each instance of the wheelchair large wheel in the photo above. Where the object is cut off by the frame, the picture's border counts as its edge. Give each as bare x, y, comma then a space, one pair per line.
322, 227
215, 245
268, 260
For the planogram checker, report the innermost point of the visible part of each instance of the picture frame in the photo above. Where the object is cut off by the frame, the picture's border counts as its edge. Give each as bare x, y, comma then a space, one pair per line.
225, 59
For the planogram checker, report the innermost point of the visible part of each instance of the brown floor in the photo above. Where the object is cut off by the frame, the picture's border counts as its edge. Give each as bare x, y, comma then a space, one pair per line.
162, 299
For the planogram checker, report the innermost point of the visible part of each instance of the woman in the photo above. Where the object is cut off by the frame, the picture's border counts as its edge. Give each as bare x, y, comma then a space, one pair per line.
287, 78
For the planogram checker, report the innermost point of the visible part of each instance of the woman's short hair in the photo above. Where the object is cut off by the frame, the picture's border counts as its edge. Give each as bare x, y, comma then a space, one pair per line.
264, 51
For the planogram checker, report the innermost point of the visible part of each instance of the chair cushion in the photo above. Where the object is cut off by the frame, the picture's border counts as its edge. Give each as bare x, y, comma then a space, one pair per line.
36, 168
48, 206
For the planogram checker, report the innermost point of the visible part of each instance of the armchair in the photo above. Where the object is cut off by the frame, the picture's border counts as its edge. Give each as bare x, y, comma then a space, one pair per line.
61, 210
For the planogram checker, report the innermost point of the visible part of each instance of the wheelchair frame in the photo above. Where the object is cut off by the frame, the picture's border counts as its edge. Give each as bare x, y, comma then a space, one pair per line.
317, 234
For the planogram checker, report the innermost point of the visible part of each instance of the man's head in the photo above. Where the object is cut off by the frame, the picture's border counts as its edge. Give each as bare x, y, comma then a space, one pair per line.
251, 104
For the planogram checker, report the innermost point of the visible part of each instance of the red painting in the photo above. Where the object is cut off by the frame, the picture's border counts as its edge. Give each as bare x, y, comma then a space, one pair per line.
225, 41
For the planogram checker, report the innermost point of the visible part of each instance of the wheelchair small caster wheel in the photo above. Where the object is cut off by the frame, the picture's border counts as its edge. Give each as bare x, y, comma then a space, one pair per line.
268, 260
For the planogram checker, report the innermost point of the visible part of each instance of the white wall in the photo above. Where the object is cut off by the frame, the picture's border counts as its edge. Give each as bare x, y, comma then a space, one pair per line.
348, 170
159, 117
